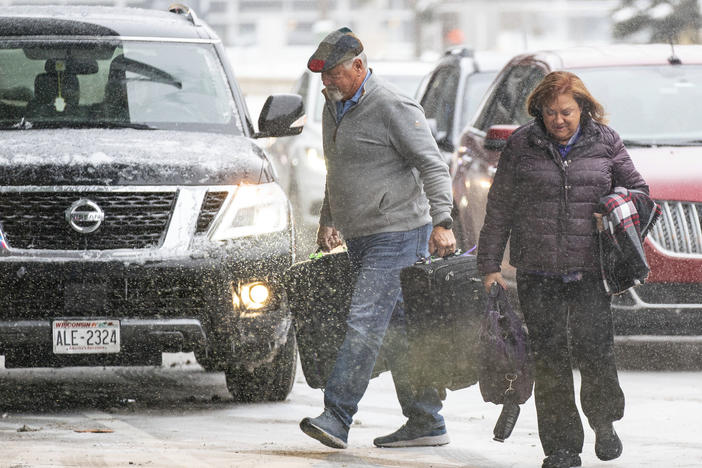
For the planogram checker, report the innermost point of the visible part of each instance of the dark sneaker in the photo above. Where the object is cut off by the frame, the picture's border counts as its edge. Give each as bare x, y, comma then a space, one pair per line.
327, 429
608, 446
562, 459
413, 436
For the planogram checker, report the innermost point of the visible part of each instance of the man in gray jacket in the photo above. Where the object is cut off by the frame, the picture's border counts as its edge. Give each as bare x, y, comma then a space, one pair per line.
388, 195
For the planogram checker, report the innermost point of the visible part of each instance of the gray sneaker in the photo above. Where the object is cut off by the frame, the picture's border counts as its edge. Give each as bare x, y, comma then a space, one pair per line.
327, 429
413, 436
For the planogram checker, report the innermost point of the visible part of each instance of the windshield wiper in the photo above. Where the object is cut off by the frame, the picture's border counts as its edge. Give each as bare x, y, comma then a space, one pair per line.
639, 143
662, 143
119, 124
26, 124
686, 143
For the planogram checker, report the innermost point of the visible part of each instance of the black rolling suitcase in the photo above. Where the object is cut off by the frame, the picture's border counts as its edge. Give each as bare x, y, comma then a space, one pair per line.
444, 302
319, 295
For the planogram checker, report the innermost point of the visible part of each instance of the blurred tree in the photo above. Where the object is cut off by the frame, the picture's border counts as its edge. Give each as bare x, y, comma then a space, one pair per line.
658, 20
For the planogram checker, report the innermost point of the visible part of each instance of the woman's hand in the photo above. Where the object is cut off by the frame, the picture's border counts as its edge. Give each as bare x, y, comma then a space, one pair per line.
598, 221
491, 278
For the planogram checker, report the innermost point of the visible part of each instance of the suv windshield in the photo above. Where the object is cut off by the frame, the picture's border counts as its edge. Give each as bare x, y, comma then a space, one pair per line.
141, 84
658, 105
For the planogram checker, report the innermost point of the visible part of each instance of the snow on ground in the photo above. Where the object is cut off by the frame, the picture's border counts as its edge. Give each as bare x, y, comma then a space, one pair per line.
178, 415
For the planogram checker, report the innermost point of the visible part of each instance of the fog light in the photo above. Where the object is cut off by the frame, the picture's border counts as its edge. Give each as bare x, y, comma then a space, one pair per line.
254, 295
250, 296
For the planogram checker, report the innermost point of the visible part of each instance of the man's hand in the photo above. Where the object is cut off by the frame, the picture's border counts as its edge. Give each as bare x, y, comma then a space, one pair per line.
328, 238
442, 242
495, 277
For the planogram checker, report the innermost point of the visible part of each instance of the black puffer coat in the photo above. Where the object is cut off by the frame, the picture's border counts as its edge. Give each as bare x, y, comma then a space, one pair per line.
546, 204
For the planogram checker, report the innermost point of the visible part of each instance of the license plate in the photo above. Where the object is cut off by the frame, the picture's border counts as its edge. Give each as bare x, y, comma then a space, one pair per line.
85, 336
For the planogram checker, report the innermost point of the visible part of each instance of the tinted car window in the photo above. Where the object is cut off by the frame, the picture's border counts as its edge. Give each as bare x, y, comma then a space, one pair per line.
507, 103
535, 75
162, 84
439, 98
661, 104
475, 87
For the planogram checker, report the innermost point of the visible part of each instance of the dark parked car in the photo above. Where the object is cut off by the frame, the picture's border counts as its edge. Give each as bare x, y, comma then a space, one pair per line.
451, 93
651, 94
137, 216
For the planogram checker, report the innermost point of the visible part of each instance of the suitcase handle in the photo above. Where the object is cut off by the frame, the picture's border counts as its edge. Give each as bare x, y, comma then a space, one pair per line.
432, 258
319, 254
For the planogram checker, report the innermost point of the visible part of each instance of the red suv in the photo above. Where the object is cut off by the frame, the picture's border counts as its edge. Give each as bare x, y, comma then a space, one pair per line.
651, 94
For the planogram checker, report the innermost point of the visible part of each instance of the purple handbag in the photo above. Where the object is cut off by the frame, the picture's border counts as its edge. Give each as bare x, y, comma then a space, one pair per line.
505, 373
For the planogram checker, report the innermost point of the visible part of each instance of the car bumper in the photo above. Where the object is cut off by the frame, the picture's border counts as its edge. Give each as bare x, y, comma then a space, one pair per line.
173, 304
142, 340
659, 310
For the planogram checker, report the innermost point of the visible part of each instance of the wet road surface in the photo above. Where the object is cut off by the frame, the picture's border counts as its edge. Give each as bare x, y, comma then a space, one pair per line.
178, 415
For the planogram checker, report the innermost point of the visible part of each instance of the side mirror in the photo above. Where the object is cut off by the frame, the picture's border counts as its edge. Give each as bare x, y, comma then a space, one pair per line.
496, 137
281, 115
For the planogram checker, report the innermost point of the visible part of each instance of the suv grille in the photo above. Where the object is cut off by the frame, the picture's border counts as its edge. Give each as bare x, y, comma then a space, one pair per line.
670, 293
37, 220
678, 230
210, 207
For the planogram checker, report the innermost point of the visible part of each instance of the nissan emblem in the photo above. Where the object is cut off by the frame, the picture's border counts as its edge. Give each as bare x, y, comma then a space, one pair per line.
84, 216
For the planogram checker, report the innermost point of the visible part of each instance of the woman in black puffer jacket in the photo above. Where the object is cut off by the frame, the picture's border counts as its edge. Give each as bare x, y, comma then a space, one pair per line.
551, 175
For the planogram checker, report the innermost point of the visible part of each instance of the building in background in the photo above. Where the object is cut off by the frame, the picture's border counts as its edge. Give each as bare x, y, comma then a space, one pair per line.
394, 28
270, 40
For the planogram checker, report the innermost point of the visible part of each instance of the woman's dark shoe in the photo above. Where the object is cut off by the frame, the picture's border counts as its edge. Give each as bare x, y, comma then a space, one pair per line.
562, 459
608, 446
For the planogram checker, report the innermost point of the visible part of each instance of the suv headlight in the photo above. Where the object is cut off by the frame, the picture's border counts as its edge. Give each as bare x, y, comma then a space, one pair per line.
253, 210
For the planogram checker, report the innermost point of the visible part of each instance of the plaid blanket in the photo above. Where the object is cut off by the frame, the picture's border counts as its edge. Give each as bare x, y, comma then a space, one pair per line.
628, 215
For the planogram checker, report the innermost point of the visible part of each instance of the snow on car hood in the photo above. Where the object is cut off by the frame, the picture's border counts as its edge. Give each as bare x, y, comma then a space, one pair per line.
672, 173
127, 157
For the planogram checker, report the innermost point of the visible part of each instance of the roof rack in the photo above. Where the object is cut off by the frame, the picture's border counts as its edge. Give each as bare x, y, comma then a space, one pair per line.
185, 10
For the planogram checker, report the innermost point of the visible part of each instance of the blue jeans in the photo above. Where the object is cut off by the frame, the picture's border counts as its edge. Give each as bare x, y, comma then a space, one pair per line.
377, 306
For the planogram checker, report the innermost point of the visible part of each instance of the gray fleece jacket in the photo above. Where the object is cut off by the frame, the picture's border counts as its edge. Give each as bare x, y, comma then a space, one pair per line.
384, 170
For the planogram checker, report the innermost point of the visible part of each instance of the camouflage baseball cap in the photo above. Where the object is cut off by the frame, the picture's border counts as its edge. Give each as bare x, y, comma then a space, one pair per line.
334, 49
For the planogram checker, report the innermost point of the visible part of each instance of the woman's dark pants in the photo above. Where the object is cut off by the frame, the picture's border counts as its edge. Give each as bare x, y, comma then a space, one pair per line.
553, 310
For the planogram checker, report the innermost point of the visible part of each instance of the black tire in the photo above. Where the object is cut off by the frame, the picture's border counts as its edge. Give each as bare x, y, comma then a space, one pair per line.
269, 382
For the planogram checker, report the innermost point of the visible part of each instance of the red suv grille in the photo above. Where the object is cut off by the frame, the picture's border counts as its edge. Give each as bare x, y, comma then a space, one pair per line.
678, 230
